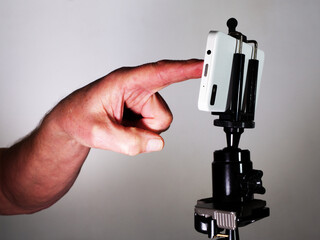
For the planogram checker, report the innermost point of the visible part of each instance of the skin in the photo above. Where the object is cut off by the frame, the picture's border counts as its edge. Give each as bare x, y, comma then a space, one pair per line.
121, 112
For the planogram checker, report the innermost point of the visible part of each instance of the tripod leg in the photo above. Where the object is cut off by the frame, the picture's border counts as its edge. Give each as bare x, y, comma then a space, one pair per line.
233, 234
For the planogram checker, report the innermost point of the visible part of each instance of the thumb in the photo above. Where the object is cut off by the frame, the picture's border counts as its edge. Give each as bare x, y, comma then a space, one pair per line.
136, 140
128, 140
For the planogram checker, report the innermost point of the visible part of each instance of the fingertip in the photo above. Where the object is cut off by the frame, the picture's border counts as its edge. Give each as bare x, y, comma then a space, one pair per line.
198, 67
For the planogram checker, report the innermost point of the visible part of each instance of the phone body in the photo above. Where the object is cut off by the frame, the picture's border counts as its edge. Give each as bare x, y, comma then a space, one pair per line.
216, 72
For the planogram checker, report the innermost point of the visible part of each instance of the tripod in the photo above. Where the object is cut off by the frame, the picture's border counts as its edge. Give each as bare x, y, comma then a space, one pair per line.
234, 181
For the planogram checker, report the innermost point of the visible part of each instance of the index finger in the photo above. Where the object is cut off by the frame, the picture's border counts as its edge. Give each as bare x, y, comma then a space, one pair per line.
155, 76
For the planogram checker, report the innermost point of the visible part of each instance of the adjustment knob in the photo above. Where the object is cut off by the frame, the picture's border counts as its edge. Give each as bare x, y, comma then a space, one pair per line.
232, 23
252, 183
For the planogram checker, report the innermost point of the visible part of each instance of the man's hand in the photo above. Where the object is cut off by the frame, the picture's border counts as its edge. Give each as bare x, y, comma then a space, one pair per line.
121, 112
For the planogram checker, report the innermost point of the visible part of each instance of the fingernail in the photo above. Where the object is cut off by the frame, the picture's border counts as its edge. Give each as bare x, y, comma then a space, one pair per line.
154, 145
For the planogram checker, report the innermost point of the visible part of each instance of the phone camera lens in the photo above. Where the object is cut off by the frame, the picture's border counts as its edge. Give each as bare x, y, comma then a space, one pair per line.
209, 52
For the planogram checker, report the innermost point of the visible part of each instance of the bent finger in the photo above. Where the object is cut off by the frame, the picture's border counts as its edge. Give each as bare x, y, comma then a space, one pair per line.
156, 115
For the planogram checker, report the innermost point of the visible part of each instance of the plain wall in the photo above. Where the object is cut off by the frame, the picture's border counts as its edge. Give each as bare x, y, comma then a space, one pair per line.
50, 48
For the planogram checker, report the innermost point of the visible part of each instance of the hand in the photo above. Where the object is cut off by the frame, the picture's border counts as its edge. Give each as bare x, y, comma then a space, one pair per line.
120, 112
123, 111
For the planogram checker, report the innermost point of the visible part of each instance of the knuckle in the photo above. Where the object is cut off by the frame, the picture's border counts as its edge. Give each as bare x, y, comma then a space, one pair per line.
159, 69
165, 123
132, 146
131, 150
167, 119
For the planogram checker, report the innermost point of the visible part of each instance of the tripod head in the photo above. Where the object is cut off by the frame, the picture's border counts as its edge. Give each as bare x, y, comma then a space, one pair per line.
234, 181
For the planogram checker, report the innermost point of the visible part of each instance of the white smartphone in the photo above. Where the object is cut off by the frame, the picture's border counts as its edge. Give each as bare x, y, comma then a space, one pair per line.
216, 72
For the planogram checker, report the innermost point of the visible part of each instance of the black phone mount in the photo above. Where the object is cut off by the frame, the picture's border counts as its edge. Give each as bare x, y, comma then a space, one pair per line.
234, 181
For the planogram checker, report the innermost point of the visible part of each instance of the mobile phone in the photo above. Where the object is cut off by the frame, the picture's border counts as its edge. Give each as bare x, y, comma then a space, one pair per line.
216, 72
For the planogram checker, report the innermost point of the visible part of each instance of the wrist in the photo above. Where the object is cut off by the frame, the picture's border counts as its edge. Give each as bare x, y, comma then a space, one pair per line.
54, 132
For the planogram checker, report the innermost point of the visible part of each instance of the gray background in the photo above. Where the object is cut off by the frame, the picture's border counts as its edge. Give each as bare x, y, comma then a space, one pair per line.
50, 48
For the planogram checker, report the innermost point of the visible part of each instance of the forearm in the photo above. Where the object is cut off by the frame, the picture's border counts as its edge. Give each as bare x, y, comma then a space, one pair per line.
40, 169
